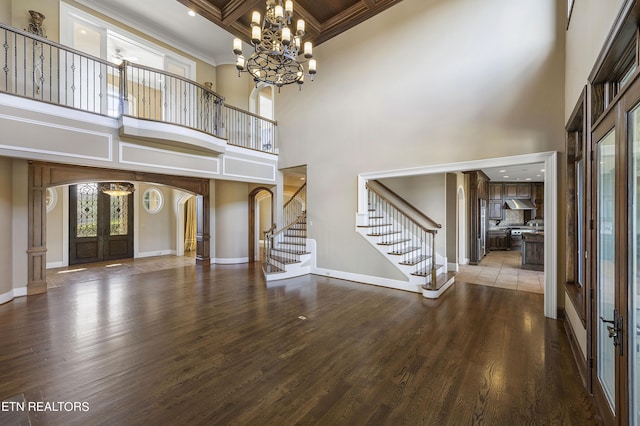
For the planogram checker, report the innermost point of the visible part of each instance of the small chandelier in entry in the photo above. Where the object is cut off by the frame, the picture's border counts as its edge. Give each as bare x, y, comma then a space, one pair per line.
278, 50
117, 189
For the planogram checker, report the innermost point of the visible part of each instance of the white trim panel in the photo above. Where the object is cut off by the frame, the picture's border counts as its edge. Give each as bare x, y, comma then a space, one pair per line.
40, 145
170, 133
230, 260
260, 163
53, 110
155, 253
170, 159
10, 295
367, 279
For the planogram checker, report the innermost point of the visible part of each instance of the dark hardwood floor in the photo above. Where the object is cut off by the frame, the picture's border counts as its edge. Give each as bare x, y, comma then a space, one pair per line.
194, 346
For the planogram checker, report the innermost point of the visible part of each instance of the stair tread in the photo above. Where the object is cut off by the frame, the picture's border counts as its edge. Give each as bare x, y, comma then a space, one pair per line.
374, 225
394, 242
415, 260
441, 280
423, 272
284, 260
382, 234
290, 251
404, 250
294, 243
271, 269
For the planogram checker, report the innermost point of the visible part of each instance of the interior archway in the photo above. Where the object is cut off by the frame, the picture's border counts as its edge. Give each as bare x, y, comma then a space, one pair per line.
259, 219
44, 175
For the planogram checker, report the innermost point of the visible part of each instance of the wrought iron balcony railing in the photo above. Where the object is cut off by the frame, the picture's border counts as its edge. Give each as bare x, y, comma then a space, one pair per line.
37, 68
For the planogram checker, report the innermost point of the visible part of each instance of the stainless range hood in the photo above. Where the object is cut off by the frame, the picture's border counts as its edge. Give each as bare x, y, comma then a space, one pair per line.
515, 204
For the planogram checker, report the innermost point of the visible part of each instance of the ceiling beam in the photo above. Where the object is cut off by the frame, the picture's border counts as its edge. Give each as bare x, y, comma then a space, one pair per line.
235, 9
205, 9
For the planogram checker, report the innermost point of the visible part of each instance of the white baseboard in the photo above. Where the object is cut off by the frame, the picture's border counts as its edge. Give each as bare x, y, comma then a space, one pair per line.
367, 279
155, 253
464, 261
10, 295
452, 267
229, 260
59, 264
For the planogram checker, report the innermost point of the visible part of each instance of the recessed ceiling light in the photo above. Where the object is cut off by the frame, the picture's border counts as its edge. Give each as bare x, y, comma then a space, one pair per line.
542, 170
538, 175
505, 177
503, 171
83, 32
528, 179
191, 13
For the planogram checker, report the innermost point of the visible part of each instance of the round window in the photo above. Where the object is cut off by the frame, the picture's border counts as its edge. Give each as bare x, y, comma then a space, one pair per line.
152, 200
51, 199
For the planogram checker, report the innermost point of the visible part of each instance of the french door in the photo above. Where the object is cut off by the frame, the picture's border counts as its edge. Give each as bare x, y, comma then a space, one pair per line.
100, 226
616, 259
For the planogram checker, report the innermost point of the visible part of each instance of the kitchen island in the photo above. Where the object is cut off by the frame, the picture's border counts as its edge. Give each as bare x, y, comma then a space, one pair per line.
533, 251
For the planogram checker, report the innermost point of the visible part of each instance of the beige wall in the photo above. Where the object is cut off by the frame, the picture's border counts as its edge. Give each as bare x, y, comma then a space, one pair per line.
19, 223
156, 232
5, 11
590, 24
427, 193
423, 83
20, 15
231, 220
236, 90
56, 227
6, 218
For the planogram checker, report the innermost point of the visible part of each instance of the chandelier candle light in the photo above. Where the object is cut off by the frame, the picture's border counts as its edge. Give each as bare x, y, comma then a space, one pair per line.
277, 56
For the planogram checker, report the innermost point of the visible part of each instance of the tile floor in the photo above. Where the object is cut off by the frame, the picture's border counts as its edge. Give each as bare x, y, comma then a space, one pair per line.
502, 269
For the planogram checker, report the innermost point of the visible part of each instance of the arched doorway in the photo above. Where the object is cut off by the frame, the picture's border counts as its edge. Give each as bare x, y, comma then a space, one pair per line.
261, 217
44, 175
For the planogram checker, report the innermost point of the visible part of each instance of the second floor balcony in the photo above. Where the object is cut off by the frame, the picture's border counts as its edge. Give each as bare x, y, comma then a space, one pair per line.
35, 68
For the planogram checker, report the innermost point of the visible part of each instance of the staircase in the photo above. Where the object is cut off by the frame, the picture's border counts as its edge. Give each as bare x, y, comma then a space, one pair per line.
407, 238
287, 251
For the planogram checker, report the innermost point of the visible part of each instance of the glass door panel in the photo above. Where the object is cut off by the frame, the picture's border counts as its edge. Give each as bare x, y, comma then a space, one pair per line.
634, 264
606, 190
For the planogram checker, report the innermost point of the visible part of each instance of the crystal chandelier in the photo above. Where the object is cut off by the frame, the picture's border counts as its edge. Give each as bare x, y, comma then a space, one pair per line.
278, 51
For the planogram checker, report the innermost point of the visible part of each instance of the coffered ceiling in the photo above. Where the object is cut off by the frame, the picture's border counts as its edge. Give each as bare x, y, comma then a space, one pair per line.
324, 19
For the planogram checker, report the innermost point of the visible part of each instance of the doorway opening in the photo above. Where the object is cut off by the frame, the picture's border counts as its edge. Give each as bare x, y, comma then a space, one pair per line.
261, 219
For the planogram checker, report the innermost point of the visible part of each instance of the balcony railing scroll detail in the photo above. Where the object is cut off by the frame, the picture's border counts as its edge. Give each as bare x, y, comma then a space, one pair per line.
37, 68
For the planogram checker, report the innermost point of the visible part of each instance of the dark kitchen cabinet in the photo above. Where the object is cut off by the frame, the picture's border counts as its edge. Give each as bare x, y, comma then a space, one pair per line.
495, 210
524, 191
495, 192
498, 240
510, 190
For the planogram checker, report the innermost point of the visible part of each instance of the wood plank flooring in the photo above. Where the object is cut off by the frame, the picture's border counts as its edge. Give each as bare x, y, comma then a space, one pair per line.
192, 345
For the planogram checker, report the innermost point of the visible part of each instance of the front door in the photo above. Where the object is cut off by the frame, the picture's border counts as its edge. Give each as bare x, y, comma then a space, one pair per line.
100, 226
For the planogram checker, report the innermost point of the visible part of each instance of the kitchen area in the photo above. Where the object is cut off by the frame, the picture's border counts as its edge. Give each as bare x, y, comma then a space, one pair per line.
515, 221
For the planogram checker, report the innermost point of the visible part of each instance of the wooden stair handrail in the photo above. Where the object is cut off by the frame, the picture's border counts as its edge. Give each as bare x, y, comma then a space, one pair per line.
407, 204
304, 185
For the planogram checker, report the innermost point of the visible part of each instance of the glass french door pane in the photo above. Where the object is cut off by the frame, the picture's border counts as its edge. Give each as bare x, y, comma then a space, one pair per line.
580, 220
87, 214
119, 219
634, 262
606, 263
